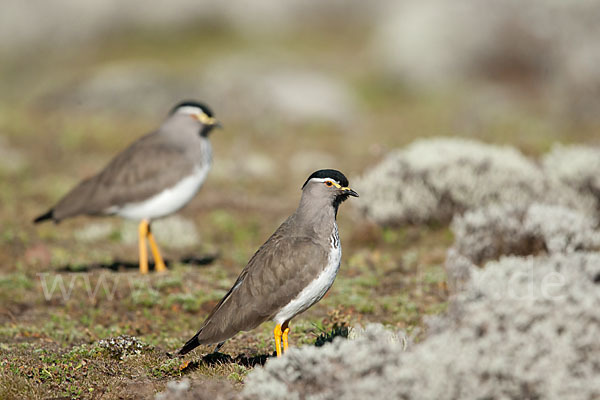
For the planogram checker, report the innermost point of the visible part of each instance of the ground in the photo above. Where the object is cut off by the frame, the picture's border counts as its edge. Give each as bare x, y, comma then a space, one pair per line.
63, 292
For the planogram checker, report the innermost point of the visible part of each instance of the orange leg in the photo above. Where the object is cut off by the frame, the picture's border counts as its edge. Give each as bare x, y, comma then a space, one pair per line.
277, 333
284, 336
142, 233
159, 264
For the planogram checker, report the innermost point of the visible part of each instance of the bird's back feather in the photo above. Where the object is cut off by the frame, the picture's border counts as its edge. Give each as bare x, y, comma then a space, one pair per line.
141, 171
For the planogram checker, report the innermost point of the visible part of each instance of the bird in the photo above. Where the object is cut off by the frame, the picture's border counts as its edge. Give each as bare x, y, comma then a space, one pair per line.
155, 176
289, 273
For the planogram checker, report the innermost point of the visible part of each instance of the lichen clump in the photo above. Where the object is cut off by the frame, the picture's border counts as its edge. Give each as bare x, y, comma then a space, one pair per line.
122, 346
432, 180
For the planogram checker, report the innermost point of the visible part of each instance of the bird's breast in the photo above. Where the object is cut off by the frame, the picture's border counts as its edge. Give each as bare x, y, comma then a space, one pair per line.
316, 289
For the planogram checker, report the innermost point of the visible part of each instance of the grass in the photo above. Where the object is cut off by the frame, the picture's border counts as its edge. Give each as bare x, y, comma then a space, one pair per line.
54, 319
61, 295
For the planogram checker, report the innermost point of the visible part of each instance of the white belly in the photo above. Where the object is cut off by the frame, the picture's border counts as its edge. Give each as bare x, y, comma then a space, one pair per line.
317, 288
168, 201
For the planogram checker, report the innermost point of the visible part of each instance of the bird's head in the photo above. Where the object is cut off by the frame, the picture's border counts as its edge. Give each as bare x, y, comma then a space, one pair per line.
200, 113
329, 185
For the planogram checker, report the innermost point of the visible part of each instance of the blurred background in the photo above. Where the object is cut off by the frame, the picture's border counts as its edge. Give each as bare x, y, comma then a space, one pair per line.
315, 80
298, 85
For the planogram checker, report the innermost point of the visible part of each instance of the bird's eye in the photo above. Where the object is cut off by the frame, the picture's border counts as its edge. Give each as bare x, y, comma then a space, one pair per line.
329, 183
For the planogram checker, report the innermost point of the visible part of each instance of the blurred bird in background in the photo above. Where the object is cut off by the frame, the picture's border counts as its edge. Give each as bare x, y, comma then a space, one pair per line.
154, 177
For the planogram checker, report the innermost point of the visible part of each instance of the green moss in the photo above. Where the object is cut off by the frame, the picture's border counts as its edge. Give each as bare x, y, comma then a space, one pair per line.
188, 301
168, 282
169, 368
16, 281
146, 297
434, 274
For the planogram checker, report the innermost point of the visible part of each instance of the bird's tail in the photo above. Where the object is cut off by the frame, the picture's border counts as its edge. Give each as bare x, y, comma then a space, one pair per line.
43, 217
190, 345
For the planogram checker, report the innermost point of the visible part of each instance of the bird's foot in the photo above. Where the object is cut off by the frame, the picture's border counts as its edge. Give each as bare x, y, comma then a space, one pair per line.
277, 333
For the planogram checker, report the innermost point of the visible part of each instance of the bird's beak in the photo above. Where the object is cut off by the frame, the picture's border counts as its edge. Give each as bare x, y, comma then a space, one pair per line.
206, 120
349, 192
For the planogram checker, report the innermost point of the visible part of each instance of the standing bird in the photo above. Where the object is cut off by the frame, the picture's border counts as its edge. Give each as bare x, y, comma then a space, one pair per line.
289, 273
155, 176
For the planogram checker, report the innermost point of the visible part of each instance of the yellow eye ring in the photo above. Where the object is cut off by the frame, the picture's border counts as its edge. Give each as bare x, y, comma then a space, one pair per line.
329, 183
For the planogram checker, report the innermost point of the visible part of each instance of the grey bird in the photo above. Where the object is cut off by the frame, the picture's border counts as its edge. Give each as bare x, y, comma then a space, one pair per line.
293, 270
155, 176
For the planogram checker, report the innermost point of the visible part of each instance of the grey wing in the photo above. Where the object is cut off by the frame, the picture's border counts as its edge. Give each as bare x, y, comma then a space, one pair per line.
275, 275
139, 172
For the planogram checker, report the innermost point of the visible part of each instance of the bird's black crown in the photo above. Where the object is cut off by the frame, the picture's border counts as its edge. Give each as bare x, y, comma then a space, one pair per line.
192, 103
328, 173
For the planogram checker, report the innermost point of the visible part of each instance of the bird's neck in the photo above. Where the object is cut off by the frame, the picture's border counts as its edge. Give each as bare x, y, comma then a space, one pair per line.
205, 155
316, 220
